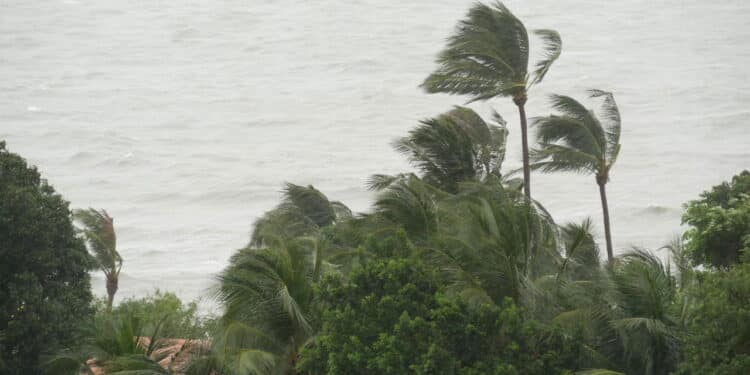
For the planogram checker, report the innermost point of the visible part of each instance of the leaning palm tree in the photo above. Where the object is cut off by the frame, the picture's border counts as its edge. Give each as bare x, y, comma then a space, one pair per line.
577, 141
488, 57
99, 232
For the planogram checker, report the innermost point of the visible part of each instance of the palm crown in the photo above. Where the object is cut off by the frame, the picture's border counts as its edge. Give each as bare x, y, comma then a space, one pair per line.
576, 140
456, 146
488, 56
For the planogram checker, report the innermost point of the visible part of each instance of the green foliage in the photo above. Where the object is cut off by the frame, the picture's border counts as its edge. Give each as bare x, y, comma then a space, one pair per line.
456, 146
44, 283
390, 318
577, 140
269, 305
99, 232
303, 211
488, 56
121, 344
719, 336
178, 319
720, 223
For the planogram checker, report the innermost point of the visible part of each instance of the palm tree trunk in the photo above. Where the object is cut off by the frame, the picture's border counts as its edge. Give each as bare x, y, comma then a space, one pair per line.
605, 213
111, 290
520, 101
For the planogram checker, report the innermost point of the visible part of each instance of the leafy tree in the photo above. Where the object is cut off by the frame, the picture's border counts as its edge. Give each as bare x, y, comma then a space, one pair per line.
390, 318
719, 337
720, 223
44, 283
178, 319
99, 232
456, 146
488, 57
577, 141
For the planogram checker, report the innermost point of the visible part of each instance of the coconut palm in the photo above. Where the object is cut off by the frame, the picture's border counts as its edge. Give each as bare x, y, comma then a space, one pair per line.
99, 232
646, 312
488, 57
268, 295
303, 211
490, 242
456, 146
577, 141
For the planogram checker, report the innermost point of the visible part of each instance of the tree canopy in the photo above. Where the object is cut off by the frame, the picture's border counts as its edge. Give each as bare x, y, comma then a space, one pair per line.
45, 293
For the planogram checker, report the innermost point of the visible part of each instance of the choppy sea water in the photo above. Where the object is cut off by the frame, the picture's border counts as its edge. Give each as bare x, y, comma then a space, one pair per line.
184, 118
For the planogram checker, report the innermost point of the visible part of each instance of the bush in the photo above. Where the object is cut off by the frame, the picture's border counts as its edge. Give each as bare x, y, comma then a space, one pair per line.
390, 318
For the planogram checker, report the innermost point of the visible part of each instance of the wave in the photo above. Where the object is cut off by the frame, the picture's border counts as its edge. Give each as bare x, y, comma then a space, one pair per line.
658, 210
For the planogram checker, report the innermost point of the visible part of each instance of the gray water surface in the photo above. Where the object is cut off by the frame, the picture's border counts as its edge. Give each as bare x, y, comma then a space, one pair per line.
184, 118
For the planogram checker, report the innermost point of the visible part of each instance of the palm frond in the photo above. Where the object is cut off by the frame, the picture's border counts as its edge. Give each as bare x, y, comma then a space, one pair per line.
552, 49
99, 233
611, 114
570, 132
558, 158
486, 56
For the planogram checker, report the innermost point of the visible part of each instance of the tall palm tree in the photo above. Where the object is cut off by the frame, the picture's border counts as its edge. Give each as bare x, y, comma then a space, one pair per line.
99, 232
577, 141
488, 57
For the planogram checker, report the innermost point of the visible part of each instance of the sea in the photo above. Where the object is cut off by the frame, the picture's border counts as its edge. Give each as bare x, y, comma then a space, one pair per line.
184, 118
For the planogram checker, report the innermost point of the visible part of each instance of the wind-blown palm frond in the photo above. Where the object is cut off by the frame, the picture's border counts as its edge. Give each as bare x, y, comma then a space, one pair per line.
453, 147
612, 116
646, 302
303, 211
576, 141
268, 299
559, 158
487, 56
412, 204
99, 232
552, 49
491, 243
581, 251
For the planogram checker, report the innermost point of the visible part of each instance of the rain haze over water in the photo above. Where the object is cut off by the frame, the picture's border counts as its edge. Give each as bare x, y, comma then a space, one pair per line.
184, 118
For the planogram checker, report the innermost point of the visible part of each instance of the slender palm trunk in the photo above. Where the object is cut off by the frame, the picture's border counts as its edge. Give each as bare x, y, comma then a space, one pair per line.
520, 101
111, 290
605, 213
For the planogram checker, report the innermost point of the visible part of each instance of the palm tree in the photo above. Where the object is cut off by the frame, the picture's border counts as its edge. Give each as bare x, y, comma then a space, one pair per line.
577, 141
456, 146
646, 313
269, 306
303, 211
488, 57
99, 232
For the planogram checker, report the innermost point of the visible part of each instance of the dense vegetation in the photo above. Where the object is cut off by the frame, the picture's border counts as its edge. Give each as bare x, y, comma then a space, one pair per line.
456, 270
45, 295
